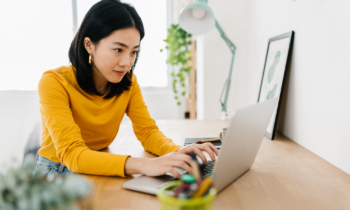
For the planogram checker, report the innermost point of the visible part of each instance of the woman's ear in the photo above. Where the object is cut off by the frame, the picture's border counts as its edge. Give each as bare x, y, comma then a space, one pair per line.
88, 45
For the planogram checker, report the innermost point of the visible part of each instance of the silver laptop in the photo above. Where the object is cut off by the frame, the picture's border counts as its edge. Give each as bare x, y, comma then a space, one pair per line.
239, 149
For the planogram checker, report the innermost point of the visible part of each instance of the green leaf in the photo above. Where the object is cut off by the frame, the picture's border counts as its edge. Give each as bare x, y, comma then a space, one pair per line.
178, 103
161, 50
183, 93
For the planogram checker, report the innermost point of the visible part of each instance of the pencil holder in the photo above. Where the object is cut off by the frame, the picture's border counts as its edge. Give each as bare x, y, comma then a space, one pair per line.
172, 203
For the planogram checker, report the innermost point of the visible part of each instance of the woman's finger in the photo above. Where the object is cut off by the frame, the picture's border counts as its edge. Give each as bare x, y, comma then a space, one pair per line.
201, 155
174, 172
182, 165
208, 149
214, 148
185, 158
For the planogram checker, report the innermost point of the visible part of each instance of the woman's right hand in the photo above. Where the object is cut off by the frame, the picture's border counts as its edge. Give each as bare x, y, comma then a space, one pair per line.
160, 165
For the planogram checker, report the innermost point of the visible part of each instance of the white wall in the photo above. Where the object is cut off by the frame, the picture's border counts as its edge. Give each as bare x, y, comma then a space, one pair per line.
316, 109
19, 111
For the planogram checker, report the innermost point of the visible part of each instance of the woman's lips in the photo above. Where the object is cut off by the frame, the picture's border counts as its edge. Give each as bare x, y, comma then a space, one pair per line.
120, 73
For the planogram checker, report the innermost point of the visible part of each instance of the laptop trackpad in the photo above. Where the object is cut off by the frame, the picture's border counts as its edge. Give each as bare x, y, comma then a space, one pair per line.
147, 184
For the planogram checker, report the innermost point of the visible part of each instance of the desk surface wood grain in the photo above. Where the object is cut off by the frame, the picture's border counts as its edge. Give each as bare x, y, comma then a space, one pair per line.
284, 175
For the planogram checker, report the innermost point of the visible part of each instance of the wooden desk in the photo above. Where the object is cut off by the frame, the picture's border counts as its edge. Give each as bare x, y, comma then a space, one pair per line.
284, 175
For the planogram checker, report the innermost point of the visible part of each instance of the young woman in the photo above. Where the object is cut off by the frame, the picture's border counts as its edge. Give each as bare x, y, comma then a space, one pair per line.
83, 104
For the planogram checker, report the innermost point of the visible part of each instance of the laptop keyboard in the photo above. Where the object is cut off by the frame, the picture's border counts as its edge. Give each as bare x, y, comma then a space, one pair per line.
206, 169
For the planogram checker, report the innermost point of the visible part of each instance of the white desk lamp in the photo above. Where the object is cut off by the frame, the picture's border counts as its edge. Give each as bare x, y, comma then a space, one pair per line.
197, 18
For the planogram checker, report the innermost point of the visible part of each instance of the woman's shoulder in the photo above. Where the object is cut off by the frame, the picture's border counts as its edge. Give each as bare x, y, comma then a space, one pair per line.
63, 74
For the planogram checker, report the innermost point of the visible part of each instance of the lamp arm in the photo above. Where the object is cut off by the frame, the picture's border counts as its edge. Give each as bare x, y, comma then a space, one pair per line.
227, 40
227, 84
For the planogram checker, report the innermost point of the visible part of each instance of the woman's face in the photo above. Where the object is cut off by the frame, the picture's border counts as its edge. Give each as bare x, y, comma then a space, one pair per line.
114, 55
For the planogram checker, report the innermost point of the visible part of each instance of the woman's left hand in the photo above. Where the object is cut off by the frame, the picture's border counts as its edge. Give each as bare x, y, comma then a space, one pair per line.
198, 148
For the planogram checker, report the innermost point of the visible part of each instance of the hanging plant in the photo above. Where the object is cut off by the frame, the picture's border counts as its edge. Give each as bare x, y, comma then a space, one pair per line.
178, 41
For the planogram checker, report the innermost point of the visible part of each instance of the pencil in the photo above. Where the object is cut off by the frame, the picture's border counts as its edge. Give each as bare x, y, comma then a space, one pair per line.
208, 140
203, 187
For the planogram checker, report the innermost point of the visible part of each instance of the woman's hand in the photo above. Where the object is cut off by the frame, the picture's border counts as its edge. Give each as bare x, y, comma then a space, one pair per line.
198, 148
160, 165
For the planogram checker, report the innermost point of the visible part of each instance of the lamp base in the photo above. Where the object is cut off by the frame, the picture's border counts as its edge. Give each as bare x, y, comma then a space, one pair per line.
224, 115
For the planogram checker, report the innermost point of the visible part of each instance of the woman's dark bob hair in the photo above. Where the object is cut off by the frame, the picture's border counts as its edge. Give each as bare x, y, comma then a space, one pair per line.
100, 21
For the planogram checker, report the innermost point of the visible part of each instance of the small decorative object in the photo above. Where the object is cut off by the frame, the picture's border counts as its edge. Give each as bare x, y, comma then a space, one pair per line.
21, 189
178, 41
278, 57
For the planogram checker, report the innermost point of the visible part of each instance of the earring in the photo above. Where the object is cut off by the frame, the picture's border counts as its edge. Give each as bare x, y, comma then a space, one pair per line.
90, 59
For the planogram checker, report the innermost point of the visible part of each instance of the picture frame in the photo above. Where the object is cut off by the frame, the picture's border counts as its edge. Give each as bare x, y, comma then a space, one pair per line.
278, 56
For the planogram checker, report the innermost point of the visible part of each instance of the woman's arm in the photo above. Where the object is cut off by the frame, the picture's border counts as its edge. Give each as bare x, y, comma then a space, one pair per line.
145, 128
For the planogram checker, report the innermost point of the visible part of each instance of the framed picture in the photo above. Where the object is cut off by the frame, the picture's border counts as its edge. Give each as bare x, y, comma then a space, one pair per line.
276, 63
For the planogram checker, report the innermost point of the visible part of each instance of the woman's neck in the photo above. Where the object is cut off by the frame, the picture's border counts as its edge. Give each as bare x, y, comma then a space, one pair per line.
101, 83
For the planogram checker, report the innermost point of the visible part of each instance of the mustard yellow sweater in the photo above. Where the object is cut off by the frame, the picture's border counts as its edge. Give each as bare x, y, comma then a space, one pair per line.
75, 124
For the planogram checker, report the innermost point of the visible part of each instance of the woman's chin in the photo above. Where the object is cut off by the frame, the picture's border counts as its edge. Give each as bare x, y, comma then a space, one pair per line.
116, 80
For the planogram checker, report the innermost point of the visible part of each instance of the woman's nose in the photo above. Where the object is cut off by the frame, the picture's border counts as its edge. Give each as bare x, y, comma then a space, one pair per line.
125, 60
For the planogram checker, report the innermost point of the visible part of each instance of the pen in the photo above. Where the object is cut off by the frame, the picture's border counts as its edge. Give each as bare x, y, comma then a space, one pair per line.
195, 167
208, 140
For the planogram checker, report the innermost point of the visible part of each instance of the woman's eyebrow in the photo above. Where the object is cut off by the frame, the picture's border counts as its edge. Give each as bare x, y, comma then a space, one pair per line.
124, 45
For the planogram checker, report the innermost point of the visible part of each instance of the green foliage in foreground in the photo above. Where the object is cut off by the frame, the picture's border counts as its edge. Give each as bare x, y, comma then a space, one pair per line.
21, 189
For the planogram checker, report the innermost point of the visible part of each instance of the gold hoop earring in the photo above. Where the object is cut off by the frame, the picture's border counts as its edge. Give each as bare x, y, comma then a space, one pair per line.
90, 59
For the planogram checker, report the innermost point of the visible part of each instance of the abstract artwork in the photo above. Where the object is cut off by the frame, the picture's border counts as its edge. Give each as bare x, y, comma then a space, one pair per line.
277, 59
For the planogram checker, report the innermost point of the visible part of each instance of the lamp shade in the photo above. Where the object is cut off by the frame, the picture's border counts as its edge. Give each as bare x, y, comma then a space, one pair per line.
197, 18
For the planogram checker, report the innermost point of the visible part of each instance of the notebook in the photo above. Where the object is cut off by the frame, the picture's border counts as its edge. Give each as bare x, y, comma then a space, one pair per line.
188, 141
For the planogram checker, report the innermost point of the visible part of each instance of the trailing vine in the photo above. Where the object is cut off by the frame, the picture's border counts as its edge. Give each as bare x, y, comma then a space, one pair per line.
178, 41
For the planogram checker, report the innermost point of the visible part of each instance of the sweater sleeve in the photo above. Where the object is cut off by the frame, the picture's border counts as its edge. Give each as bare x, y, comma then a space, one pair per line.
145, 128
65, 133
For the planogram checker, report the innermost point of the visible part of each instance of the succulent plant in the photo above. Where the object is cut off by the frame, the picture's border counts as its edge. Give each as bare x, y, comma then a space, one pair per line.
20, 188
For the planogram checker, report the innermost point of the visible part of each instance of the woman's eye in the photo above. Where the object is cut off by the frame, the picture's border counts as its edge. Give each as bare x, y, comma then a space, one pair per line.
135, 52
118, 50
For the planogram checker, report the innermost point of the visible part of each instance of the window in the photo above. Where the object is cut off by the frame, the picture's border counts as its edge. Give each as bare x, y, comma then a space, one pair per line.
37, 34
35, 37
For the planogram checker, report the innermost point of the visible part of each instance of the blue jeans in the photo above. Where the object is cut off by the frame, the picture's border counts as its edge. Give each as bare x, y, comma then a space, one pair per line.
48, 167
